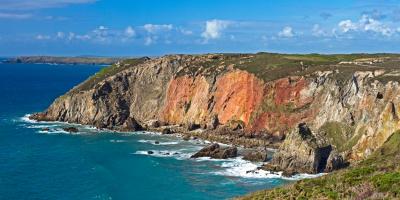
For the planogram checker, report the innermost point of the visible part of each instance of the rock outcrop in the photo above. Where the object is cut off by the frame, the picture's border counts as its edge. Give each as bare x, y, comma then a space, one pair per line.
217, 152
304, 152
348, 110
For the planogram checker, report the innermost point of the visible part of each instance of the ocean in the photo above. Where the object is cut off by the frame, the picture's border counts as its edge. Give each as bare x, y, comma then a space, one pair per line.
92, 164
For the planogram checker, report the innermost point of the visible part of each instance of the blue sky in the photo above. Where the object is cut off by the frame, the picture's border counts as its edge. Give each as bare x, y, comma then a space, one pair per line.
157, 27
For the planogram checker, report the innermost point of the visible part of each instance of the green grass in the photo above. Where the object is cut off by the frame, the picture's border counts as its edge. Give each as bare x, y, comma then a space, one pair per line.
378, 176
339, 134
105, 73
272, 66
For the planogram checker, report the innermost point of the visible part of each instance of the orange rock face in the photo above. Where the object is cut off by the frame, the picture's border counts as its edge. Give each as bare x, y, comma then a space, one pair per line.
281, 107
186, 100
237, 95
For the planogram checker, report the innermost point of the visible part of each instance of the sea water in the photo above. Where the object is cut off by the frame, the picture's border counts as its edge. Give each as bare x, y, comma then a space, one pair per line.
37, 163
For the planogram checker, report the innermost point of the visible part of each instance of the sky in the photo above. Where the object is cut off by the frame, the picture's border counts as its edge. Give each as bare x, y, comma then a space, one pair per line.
158, 27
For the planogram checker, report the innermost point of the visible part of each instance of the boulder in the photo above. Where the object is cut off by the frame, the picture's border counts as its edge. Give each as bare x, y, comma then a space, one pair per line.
216, 152
71, 129
45, 129
166, 131
153, 124
225, 153
256, 156
186, 137
39, 117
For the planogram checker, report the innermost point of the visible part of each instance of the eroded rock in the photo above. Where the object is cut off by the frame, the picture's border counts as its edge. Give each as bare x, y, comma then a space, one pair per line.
256, 156
216, 152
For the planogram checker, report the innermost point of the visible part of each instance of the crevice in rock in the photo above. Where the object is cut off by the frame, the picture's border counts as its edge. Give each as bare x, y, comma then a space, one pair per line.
393, 110
322, 156
379, 95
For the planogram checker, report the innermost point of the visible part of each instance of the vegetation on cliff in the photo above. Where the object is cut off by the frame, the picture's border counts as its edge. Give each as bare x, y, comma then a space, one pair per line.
377, 177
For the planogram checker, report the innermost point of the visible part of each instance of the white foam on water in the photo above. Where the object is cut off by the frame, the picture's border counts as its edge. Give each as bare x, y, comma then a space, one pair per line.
153, 142
40, 126
165, 153
246, 169
25, 118
117, 141
55, 131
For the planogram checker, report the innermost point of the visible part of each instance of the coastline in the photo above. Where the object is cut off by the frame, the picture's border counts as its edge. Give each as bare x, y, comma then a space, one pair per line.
240, 167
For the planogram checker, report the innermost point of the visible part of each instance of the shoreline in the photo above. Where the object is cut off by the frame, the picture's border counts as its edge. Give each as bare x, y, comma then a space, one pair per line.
244, 168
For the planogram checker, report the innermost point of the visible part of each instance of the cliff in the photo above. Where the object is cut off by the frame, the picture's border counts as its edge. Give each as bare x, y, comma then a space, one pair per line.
332, 109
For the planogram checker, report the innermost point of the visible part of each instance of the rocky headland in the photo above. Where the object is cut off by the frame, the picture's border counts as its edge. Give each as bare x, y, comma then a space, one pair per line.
63, 60
321, 112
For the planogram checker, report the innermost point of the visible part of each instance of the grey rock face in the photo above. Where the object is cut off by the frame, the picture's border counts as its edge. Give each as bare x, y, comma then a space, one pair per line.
302, 152
256, 156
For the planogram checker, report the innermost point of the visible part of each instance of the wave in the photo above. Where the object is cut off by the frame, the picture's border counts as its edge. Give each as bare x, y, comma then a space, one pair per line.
40, 126
55, 131
246, 169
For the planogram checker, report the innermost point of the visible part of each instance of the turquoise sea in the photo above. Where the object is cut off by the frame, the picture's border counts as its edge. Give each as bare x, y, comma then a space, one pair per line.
37, 164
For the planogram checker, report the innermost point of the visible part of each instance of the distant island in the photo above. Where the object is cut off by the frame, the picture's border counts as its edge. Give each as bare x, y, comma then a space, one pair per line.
64, 60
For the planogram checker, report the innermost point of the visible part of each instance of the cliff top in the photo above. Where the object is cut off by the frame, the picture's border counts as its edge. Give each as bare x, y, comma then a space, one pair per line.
267, 66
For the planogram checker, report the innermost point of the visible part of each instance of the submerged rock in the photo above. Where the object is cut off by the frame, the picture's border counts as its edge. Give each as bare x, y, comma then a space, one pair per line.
71, 129
216, 152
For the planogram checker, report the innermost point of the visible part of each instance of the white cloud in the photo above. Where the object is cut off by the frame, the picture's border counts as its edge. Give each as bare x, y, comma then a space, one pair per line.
317, 31
347, 25
185, 32
370, 24
83, 37
148, 41
365, 24
153, 28
214, 29
60, 35
14, 16
38, 4
129, 32
286, 32
71, 36
43, 37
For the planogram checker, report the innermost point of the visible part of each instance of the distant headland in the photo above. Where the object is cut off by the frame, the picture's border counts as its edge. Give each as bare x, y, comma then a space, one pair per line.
87, 60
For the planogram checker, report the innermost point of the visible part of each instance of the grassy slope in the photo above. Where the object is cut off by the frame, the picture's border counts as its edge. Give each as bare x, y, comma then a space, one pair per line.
105, 73
271, 66
378, 177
